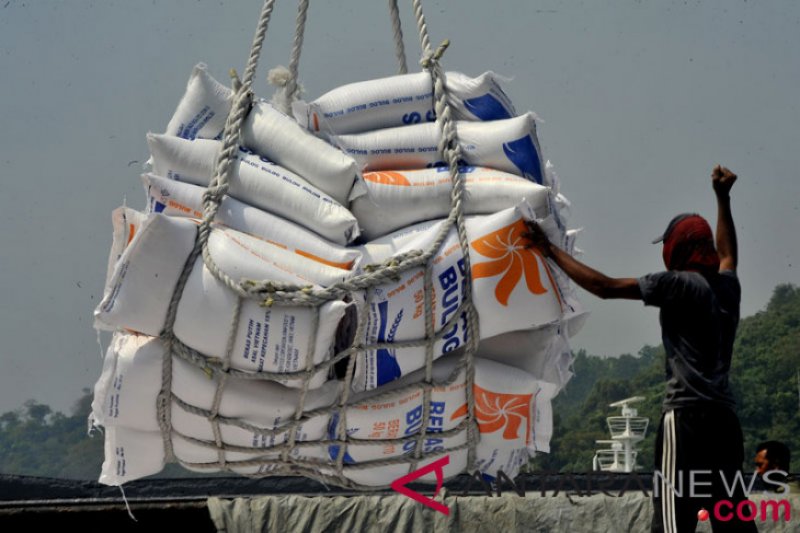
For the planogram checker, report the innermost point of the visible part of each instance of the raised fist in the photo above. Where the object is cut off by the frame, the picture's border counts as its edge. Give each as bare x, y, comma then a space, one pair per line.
722, 179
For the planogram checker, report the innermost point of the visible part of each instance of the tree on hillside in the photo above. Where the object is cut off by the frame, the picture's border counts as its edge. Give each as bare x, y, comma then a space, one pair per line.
765, 366
36, 441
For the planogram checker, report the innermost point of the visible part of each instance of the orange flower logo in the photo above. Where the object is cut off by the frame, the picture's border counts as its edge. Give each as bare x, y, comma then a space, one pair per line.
510, 258
495, 411
387, 177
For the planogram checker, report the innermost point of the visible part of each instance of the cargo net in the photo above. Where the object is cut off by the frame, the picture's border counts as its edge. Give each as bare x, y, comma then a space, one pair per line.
286, 457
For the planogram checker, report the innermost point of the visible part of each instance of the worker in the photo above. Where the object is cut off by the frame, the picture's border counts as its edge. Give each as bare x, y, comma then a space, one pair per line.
698, 296
773, 456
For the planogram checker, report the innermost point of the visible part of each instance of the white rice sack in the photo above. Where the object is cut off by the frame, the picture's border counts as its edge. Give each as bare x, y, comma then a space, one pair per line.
191, 452
512, 286
270, 133
125, 222
256, 181
383, 475
400, 415
126, 395
509, 145
130, 454
364, 451
399, 100
159, 248
398, 198
543, 418
543, 352
261, 403
275, 339
575, 314
175, 198
204, 108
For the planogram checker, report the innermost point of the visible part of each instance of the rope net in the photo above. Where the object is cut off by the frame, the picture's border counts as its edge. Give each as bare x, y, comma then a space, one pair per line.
286, 455
354, 362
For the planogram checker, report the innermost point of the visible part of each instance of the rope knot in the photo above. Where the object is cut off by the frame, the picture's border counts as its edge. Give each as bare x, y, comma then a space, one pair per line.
236, 83
279, 76
433, 57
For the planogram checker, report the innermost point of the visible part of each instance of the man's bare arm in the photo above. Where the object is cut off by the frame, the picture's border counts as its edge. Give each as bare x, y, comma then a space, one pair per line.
593, 281
722, 180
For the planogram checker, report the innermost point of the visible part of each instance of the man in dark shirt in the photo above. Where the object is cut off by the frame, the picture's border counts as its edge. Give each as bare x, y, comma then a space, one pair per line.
773, 459
699, 437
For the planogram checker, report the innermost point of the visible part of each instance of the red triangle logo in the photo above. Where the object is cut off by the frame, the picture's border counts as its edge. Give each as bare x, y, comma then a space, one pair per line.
437, 466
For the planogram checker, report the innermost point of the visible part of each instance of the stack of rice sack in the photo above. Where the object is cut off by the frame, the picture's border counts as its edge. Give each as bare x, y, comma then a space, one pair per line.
353, 179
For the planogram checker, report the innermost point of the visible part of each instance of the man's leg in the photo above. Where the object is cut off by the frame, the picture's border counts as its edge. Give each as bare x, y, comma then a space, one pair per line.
728, 458
673, 511
657, 525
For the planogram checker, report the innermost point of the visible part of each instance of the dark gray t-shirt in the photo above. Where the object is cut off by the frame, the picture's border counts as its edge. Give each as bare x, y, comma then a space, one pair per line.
699, 316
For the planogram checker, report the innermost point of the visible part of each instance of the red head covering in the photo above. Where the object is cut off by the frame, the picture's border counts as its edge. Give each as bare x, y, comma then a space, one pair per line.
689, 245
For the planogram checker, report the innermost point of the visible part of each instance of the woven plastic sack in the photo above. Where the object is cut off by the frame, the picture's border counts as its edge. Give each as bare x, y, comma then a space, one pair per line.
543, 352
125, 222
274, 339
404, 99
130, 454
127, 390
509, 145
203, 109
256, 181
512, 410
270, 133
512, 288
398, 198
175, 198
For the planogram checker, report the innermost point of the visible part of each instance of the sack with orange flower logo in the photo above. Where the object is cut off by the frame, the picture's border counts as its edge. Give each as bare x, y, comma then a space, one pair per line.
513, 289
398, 198
400, 100
271, 339
511, 406
509, 145
255, 181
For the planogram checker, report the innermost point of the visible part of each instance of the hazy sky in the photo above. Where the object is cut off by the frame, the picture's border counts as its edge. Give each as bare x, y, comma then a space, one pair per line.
640, 99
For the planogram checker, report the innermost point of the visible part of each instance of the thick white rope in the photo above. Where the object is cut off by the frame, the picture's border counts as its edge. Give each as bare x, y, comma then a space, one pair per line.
286, 79
397, 31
